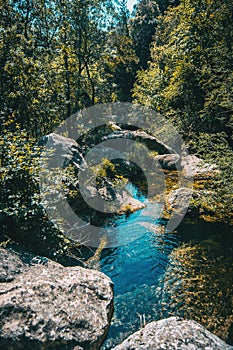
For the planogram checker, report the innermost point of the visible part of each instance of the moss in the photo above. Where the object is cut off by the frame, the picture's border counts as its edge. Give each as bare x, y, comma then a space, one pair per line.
127, 209
206, 204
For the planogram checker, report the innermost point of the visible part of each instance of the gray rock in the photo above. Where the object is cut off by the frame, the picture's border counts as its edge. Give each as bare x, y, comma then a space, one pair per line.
53, 307
62, 151
169, 161
141, 136
10, 267
197, 168
173, 334
128, 204
180, 198
123, 202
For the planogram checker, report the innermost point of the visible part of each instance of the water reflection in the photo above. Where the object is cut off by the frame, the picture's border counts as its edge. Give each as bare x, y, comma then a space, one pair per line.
187, 273
198, 284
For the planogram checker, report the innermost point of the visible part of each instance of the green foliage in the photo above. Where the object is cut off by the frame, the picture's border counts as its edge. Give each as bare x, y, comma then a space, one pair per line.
190, 77
190, 81
22, 216
215, 149
105, 168
53, 59
57, 57
120, 66
143, 26
119, 58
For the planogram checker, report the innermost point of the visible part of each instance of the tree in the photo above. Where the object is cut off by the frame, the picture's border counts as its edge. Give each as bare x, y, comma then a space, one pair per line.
120, 60
143, 26
27, 91
190, 76
190, 81
50, 60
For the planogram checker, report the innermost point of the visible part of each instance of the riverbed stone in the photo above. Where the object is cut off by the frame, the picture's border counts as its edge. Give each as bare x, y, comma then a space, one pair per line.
152, 142
124, 202
197, 168
128, 204
62, 151
169, 161
179, 200
173, 334
48, 306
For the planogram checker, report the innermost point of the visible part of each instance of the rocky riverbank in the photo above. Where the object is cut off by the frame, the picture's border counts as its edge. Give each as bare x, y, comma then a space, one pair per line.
195, 173
44, 305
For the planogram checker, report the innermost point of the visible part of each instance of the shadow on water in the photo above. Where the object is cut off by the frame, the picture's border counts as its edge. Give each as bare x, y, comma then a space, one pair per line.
163, 274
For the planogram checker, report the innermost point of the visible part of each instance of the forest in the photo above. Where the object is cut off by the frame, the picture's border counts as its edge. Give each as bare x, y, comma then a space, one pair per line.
58, 57
174, 57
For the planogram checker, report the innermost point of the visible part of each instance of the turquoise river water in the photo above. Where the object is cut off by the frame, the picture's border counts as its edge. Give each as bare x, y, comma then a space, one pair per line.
139, 268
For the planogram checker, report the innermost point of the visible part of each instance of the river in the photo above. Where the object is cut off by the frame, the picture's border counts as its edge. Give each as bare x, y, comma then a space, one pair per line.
154, 275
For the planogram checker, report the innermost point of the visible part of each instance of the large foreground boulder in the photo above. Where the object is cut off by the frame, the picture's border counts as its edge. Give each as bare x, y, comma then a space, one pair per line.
48, 306
173, 334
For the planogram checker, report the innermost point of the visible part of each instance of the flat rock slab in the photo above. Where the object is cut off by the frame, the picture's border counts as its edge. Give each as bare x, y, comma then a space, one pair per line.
53, 307
128, 204
179, 199
173, 334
